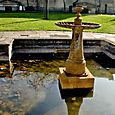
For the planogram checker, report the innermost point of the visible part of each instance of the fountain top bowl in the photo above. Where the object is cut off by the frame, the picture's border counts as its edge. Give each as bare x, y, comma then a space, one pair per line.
72, 25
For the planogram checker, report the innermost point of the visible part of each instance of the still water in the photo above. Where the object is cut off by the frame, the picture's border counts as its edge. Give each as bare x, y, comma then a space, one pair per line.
33, 90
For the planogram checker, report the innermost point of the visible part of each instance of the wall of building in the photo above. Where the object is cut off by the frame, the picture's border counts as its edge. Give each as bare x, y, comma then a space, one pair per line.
2, 8
59, 5
110, 6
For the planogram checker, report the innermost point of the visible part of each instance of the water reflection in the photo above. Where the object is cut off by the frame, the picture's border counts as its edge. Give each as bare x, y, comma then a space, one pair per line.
34, 90
24, 94
103, 102
31, 93
74, 98
52, 104
74, 104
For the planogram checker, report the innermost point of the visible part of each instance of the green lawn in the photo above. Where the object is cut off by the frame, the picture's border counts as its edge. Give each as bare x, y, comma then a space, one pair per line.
36, 21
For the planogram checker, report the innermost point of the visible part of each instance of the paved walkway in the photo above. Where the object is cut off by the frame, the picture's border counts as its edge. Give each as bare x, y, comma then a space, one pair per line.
7, 37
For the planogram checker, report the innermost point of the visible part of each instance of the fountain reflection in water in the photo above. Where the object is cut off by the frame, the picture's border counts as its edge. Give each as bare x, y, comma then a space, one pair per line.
32, 92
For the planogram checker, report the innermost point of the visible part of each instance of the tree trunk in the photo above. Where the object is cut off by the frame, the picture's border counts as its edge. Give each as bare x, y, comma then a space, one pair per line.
37, 4
99, 6
64, 4
46, 10
27, 3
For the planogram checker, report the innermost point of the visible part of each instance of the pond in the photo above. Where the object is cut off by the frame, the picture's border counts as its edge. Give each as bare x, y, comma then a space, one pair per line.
33, 90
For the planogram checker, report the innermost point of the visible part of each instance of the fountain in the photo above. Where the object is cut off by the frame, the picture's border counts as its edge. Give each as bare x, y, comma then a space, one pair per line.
33, 90
76, 74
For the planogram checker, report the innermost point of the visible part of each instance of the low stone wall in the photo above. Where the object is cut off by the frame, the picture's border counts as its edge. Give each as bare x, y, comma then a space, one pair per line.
54, 46
4, 53
53, 42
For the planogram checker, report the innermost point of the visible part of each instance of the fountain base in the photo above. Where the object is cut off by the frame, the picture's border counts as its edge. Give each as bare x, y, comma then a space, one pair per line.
72, 81
75, 68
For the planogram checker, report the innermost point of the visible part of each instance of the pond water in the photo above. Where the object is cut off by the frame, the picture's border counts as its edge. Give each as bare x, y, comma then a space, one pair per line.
33, 90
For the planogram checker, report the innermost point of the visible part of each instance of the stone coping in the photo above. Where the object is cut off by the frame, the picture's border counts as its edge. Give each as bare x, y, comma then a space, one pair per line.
7, 36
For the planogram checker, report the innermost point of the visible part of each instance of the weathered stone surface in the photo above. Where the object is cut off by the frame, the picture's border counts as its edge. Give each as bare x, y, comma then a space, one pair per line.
74, 82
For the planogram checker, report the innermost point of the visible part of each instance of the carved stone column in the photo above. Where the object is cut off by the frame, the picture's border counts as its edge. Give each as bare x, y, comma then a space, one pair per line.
75, 75
75, 63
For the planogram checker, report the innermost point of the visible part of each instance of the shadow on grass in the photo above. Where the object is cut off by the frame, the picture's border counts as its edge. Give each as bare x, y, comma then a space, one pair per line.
18, 22
113, 20
38, 15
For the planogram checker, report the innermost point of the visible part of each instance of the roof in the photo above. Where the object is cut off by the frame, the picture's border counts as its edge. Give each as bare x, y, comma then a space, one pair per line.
13, 1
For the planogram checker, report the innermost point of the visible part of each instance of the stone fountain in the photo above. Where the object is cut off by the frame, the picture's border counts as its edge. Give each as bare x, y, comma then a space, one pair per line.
75, 74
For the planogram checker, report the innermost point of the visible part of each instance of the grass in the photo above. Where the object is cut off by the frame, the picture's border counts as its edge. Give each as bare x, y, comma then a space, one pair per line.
36, 21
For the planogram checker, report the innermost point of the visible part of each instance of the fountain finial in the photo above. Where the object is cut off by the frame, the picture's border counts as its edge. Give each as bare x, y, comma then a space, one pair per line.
78, 20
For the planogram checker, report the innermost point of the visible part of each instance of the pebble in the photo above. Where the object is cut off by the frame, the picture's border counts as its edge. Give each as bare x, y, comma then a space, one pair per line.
1, 112
6, 113
1, 102
2, 68
73, 98
107, 68
21, 113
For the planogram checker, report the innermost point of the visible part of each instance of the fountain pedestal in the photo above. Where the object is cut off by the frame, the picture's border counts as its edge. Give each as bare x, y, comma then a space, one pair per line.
75, 74
73, 81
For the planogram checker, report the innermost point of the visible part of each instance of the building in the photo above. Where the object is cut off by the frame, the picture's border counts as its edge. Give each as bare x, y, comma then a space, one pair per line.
91, 6
10, 5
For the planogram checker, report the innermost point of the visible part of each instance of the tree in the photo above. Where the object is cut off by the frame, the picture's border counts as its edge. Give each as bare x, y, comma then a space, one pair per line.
74, 3
64, 5
27, 3
46, 9
99, 6
37, 4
